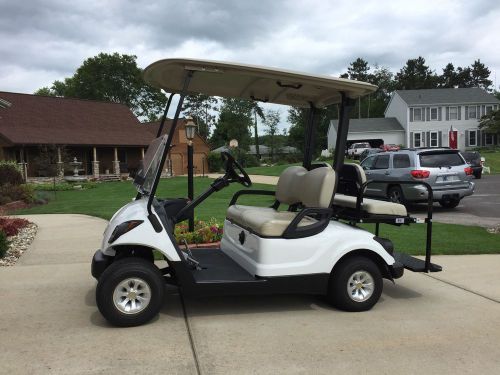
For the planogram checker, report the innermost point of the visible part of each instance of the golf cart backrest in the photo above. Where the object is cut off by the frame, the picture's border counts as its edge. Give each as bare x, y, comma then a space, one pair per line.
350, 179
312, 188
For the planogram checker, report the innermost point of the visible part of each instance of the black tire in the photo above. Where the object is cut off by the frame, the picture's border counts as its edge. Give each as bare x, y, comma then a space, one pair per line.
340, 280
395, 195
478, 174
449, 203
141, 270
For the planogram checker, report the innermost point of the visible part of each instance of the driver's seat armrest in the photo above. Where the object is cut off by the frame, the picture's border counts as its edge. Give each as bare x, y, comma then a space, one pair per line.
249, 192
323, 216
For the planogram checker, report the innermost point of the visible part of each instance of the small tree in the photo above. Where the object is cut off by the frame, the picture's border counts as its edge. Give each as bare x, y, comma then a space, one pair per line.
491, 122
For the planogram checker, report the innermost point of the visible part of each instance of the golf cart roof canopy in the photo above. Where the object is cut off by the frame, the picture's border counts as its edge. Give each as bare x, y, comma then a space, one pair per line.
253, 82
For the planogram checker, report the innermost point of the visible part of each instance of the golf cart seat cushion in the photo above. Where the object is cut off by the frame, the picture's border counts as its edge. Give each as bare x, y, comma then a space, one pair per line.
312, 188
271, 223
371, 206
350, 179
235, 212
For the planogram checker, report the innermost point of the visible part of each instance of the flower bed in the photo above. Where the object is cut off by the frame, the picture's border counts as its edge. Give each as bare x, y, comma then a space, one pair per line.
205, 233
16, 236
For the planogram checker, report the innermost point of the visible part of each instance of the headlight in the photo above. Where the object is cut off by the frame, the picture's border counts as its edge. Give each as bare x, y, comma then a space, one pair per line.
123, 228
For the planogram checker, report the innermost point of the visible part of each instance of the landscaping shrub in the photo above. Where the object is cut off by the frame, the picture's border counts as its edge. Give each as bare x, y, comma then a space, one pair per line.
62, 186
10, 173
214, 162
11, 193
4, 244
11, 226
204, 232
247, 160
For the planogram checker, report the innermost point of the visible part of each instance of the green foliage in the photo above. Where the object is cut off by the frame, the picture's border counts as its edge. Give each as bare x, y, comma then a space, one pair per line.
201, 108
491, 122
11, 193
271, 122
62, 186
214, 162
477, 75
10, 173
416, 75
111, 77
247, 160
4, 244
204, 232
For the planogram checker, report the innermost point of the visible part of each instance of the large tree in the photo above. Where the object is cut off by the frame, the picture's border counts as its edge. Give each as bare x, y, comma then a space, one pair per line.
491, 122
416, 75
111, 77
272, 120
480, 75
201, 108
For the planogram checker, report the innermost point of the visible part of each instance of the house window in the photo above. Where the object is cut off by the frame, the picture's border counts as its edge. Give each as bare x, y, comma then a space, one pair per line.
417, 114
417, 139
488, 109
434, 139
472, 111
434, 114
472, 138
488, 139
453, 113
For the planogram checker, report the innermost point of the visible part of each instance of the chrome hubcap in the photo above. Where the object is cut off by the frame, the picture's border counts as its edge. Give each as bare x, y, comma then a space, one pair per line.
395, 196
360, 286
132, 295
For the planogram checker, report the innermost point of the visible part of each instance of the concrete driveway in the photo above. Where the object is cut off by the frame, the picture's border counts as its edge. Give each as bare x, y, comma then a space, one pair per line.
442, 323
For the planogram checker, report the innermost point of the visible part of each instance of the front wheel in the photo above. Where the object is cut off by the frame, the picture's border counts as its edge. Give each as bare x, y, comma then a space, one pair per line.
355, 284
130, 292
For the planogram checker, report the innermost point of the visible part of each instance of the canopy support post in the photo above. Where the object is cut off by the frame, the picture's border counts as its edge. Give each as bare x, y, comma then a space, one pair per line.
163, 118
343, 128
310, 136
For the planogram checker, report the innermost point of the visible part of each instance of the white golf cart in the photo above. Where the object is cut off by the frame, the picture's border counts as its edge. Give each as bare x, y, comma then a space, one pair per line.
306, 242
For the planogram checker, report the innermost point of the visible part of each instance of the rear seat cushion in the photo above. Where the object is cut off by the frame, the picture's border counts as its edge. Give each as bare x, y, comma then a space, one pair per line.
371, 206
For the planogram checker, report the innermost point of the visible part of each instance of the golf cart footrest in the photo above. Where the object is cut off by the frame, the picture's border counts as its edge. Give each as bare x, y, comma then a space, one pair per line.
415, 264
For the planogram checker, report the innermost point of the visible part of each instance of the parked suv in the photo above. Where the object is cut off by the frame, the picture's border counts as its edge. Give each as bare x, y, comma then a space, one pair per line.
444, 169
474, 159
356, 149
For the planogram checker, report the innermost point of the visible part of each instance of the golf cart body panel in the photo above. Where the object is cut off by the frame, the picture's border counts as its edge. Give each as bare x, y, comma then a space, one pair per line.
142, 235
309, 255
253, 82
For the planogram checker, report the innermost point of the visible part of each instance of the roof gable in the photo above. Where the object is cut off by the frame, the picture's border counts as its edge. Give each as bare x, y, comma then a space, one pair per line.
34, 119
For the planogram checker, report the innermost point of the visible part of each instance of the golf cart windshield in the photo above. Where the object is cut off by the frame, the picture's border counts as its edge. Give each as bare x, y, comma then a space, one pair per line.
152, 159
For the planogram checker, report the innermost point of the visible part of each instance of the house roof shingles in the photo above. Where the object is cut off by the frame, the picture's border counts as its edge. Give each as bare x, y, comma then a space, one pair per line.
382, 124
447, 96
33, 119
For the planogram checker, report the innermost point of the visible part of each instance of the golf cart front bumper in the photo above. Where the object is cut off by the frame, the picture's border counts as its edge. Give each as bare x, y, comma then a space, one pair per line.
397, 269
99, 263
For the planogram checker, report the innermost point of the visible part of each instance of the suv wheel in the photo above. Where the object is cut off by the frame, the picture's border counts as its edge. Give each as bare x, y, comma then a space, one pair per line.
449, 203
395, 195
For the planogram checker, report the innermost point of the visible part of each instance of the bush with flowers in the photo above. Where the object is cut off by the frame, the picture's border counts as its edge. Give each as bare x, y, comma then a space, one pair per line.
209, 231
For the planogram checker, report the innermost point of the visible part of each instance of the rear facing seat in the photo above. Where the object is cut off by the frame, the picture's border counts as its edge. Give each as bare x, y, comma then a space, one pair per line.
350, 180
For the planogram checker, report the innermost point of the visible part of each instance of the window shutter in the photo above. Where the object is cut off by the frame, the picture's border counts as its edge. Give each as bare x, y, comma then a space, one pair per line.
467, 144
459, 110
440, 138
466, 112
427, 139
447, 113
411, 140
427, 114
483, 138
411, 114
439, 113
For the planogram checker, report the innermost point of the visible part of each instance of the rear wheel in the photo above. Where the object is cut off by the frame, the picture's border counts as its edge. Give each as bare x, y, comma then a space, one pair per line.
449, 202
130, 292
395, 195
355, 284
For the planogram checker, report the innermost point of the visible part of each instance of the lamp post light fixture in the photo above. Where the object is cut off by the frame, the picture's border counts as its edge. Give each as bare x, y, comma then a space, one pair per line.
190, 128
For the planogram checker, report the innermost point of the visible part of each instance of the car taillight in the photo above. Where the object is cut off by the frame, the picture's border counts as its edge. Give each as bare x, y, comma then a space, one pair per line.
468, 171
418, 173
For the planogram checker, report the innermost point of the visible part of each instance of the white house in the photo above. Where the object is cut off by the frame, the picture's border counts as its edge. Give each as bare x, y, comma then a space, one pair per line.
430, 118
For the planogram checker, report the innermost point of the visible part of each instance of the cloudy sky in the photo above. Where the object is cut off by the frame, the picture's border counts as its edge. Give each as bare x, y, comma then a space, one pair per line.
45, 40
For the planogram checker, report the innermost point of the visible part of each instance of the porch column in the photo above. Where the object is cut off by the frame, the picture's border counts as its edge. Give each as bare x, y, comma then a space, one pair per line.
95, 164
142, 153
116, 163
24, 165
60, 167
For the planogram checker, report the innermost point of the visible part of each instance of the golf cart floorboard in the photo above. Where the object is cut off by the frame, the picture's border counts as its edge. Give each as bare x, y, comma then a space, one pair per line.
218, 267
415, 264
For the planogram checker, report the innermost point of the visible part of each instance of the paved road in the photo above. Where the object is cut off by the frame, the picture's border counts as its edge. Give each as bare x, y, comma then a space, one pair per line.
445, 323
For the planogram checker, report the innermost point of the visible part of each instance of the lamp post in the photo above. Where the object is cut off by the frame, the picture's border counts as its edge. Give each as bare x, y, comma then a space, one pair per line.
190, 133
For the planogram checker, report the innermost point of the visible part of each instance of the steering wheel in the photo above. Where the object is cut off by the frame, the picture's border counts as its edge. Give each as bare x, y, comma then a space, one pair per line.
234, 170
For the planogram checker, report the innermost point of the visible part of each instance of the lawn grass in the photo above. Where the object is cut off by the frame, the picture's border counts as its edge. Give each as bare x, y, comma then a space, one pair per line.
492, 160
104, 200
275, 170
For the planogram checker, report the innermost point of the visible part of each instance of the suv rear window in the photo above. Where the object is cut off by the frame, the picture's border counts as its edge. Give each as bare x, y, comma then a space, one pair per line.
434, 160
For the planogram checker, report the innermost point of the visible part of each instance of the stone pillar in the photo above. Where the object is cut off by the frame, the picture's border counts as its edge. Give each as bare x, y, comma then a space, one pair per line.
95, 165
116, 163
60, 166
